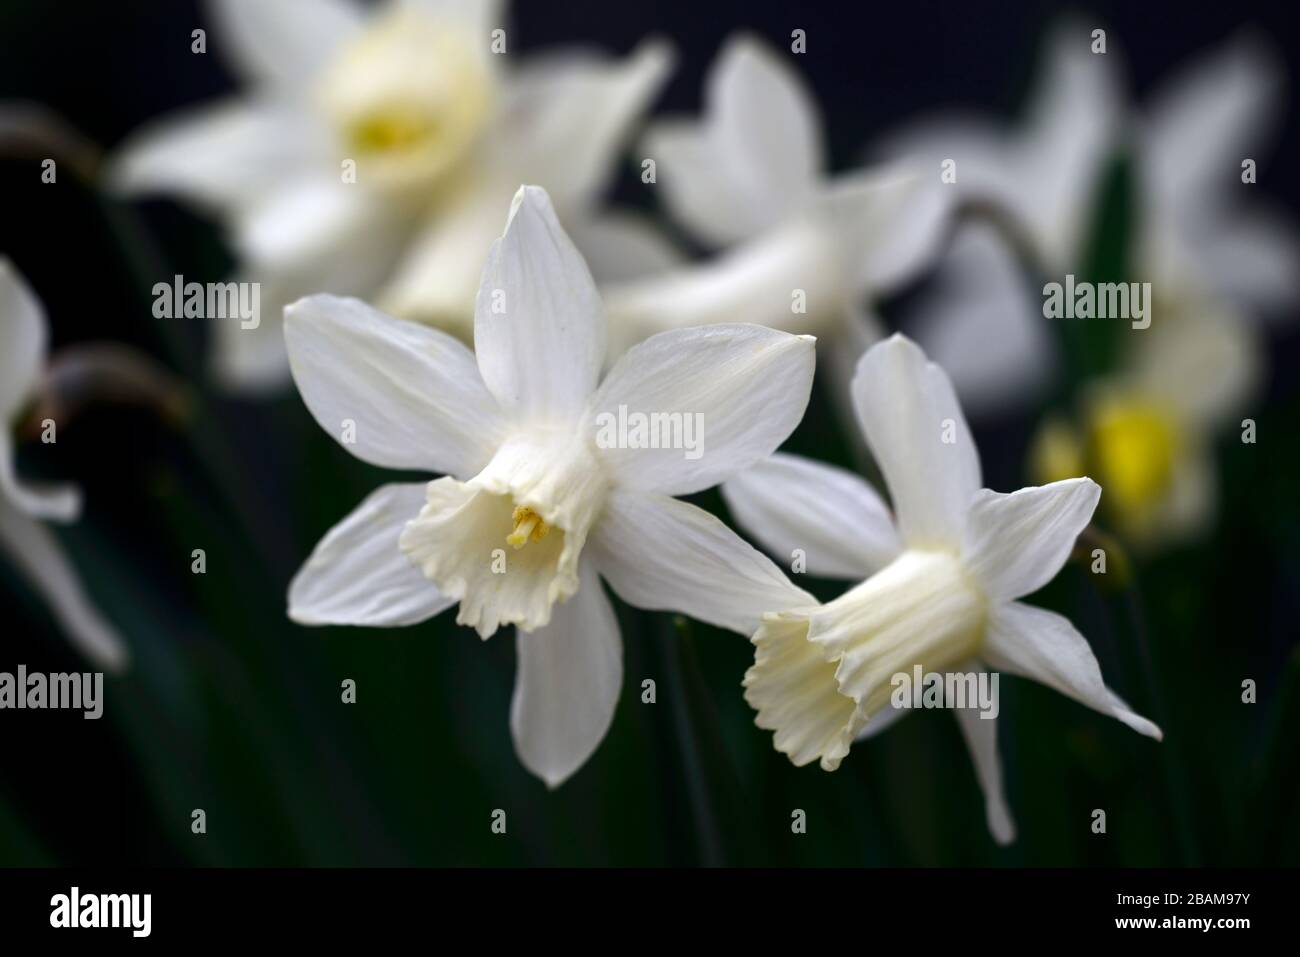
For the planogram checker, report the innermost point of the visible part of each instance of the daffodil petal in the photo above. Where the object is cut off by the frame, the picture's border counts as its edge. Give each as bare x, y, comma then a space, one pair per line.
659, 553
1034, 643
357, 574
567, 684
889, 222
918, 435
436, 279
25, 335
741, 389
1253, 259
766, 123
285, 42
59, 502
981, 736
568, 115
223, 154
982, 323
253, 360
751, 159
1203, 121
393, 393
313, 219
697, 190
1016, 543
37, 553
539, 327
831, 518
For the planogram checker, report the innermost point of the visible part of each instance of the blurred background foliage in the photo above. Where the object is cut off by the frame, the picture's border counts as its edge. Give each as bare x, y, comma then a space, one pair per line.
231, 708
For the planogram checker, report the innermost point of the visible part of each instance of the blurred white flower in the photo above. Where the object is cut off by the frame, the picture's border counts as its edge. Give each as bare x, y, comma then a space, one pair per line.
410, 97
800, 250
532, 510
942, 576
979, 317
34, 550
1147, 431
1044, 171
1038, 182
1217, 265
1198, 231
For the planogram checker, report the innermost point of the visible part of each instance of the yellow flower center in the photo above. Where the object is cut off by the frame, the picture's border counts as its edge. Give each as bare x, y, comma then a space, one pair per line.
409, 98
528, 525
389, 130
1135, 444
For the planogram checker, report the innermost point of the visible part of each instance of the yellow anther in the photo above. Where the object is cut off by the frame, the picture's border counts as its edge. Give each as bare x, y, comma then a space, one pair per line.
527, 524
389, 130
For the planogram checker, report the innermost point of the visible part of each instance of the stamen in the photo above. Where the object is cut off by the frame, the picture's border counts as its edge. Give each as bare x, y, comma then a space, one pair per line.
527, 523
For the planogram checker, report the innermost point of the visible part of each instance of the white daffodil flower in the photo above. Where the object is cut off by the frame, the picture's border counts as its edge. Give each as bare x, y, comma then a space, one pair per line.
940, 577
799, 250
24, 338
1216, 266
536, 506
374, 149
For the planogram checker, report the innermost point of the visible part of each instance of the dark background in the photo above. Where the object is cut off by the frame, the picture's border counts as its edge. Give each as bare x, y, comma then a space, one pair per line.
233, 709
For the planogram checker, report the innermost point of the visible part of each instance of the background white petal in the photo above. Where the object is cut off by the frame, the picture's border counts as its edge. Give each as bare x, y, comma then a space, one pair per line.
697, 190
754, 157
750, 384
284, 42
357, 574
567, 684
1042, 645
226, 154
1206, 364
1201, 125
907, 408
541, 353
413, 393
754, 282
24, 334
60, 502
254, 361
980, 321
620, 246
1253, 260
834, 517
436, 277
888, 223
567, 116
1016, 543
38, 554
316, 217
765, 124
664, 555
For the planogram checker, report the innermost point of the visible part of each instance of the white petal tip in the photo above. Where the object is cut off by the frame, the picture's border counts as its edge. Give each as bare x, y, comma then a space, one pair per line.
535, 197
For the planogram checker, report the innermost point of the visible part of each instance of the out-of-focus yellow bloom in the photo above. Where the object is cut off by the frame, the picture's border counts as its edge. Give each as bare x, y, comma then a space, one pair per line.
1145, 433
